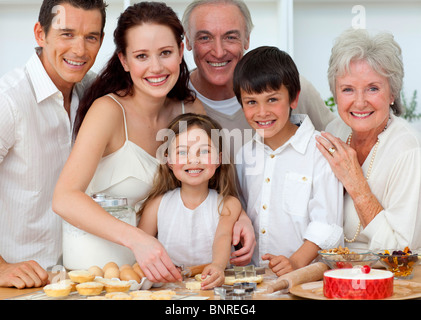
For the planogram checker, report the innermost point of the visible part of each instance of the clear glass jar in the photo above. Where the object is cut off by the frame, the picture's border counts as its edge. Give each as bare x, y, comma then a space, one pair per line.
82, 250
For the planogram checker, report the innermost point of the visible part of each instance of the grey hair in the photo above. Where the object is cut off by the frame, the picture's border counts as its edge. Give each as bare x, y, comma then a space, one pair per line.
380, 51
196, 3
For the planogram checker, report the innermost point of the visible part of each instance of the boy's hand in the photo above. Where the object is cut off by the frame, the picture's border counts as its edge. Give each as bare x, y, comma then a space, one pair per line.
278, 264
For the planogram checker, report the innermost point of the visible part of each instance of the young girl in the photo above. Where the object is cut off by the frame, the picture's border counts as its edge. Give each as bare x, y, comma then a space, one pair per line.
193, 204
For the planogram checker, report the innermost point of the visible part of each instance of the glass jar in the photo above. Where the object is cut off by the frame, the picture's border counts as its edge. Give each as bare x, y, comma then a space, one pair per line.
82, 250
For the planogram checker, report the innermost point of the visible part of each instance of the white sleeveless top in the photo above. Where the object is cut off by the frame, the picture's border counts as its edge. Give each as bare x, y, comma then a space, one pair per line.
187, 234
127, 172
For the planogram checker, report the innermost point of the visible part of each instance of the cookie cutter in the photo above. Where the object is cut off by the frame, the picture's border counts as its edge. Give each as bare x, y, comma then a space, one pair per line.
237, 291
244, 272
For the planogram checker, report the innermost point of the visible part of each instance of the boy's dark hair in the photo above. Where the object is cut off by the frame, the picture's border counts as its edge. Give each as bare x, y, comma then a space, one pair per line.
47, 11
266, 69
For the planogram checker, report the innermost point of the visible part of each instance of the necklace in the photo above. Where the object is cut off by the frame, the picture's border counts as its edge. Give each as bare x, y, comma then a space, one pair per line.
348, 141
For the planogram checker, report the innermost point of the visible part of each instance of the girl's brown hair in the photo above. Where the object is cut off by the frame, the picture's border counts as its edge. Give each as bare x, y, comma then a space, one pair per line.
223, 181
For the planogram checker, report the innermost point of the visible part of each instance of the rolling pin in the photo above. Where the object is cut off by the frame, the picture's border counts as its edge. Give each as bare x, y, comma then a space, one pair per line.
312, 272
193, 270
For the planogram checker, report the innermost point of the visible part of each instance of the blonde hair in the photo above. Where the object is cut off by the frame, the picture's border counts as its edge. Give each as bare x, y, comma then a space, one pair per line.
223, 181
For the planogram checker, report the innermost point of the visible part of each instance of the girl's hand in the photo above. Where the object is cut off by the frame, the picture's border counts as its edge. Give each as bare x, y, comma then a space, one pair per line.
216, 276
278, 264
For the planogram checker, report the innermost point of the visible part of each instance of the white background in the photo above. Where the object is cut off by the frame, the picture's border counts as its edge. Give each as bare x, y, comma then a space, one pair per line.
304, 28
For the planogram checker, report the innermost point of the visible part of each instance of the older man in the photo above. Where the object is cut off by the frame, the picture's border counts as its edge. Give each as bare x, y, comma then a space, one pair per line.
218, 32
38, 103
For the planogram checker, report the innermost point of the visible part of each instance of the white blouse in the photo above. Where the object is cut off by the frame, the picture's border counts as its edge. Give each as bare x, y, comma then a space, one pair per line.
290, 194
395, 180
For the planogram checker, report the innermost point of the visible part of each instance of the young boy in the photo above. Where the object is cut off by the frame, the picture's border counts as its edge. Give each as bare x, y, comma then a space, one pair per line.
292, 196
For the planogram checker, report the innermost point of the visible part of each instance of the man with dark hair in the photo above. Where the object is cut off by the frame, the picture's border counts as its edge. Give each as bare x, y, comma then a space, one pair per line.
38, 103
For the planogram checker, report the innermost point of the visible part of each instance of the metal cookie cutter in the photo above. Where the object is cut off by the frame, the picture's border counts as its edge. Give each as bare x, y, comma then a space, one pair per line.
238, 291
244, 272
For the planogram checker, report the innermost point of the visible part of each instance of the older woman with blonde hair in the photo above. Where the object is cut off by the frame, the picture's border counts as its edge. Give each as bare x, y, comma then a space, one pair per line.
373, 152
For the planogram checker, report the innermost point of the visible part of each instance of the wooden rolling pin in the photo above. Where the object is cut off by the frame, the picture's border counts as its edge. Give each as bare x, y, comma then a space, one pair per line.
193, 270
312, 272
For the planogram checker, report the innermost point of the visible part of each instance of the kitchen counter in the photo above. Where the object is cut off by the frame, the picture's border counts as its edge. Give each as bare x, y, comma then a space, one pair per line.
259, 294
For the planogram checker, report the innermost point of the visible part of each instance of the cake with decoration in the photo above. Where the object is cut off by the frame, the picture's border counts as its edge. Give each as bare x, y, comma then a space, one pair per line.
362, 283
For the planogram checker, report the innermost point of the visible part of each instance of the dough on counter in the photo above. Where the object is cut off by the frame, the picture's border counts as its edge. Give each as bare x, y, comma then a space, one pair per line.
198, 277
232, 280
193, 285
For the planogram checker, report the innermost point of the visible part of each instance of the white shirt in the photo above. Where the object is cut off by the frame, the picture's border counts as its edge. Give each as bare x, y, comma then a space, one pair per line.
188, 234
395, 181
290, 194
35, 141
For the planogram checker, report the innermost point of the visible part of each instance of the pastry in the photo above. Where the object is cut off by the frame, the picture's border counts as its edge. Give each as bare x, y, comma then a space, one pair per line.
80, 276
162, 295
57, 289
117, 286
69, 282
141, 295
118, 296
97, 298
89, 288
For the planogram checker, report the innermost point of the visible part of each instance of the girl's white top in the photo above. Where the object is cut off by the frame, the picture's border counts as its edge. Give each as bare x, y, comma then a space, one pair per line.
187, 234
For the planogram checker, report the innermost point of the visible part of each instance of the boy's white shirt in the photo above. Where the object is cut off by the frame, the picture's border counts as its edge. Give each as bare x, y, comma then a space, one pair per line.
290, 194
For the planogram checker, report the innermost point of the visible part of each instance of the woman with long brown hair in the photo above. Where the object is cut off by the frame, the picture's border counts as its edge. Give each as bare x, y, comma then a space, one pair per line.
143, 87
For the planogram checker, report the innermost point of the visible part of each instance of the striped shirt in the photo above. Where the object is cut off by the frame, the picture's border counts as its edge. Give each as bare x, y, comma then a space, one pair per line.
35, 141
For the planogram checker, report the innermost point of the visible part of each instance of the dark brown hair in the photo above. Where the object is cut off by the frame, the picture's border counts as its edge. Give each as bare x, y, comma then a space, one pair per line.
266, 69
114, 79
47, 12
